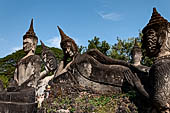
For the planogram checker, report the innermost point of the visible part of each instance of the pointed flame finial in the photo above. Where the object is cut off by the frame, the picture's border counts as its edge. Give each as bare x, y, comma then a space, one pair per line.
156, 19
136, 48
65, 38
63, 35
31, 29
30, 32
136, 43
43, 45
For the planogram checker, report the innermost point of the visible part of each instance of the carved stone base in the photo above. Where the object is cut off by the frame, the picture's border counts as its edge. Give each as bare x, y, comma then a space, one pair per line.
22, 101
16, 107
26, 95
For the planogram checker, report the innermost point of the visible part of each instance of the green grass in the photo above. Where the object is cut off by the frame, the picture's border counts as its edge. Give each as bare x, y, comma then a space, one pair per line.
92, 103
4, 80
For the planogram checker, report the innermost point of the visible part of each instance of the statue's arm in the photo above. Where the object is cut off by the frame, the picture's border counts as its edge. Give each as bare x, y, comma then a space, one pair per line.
140, 86
49, 60
44, 73
16, 75
134, 80
62, 69
99, 56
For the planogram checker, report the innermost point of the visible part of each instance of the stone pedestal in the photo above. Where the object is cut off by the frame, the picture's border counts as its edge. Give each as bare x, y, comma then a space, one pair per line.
17, 107
22, 101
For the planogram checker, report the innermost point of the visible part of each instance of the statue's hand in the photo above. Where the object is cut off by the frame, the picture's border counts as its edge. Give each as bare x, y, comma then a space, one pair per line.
49, 58
50, 61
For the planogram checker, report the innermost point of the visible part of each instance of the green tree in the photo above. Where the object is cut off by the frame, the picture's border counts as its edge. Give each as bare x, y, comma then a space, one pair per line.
82, 49
122, 49
101, 46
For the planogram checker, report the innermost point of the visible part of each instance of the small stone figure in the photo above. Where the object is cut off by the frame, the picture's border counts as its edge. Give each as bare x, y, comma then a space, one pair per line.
136, 54
137, 57
156, 42
49, 59
29, 67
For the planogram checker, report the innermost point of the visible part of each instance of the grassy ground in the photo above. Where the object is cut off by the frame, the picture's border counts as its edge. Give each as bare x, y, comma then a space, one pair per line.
85, 102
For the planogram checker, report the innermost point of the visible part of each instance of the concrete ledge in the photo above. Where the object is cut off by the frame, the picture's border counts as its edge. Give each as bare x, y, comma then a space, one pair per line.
17, 107
25, 96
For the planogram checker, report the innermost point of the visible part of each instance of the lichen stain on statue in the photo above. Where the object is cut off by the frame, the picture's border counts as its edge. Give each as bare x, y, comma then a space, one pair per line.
156, 42
29, 67
87, 69
90, 73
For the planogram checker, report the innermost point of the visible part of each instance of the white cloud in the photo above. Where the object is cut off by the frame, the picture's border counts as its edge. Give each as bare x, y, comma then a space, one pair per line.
110, 16
14, 49
54, 42
11, 50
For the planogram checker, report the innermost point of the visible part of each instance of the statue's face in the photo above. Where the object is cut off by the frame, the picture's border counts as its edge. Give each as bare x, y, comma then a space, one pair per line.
151, 41
28, 45
137, 57
67, 48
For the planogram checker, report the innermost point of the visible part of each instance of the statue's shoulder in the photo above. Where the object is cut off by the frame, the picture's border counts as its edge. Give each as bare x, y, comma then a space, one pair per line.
31, 58
35, 59
143, 68
160, 66
162, 60
82, 57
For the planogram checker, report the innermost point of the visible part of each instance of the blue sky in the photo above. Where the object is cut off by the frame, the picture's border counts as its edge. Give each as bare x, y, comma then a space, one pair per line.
80, 19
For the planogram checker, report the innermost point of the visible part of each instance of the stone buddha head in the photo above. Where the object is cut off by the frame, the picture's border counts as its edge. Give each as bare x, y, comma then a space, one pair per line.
68, 45
30, 40
155, 35
136, 53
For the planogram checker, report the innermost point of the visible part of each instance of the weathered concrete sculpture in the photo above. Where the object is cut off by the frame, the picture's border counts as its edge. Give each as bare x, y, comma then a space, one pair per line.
20, 96
70, 50
156, 42
136, 54
29, 67
49, 58
95, 71
22, 101
51, 65
68, 46
137, 57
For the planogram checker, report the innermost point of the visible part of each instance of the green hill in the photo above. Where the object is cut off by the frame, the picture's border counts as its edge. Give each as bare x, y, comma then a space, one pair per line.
8, 63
